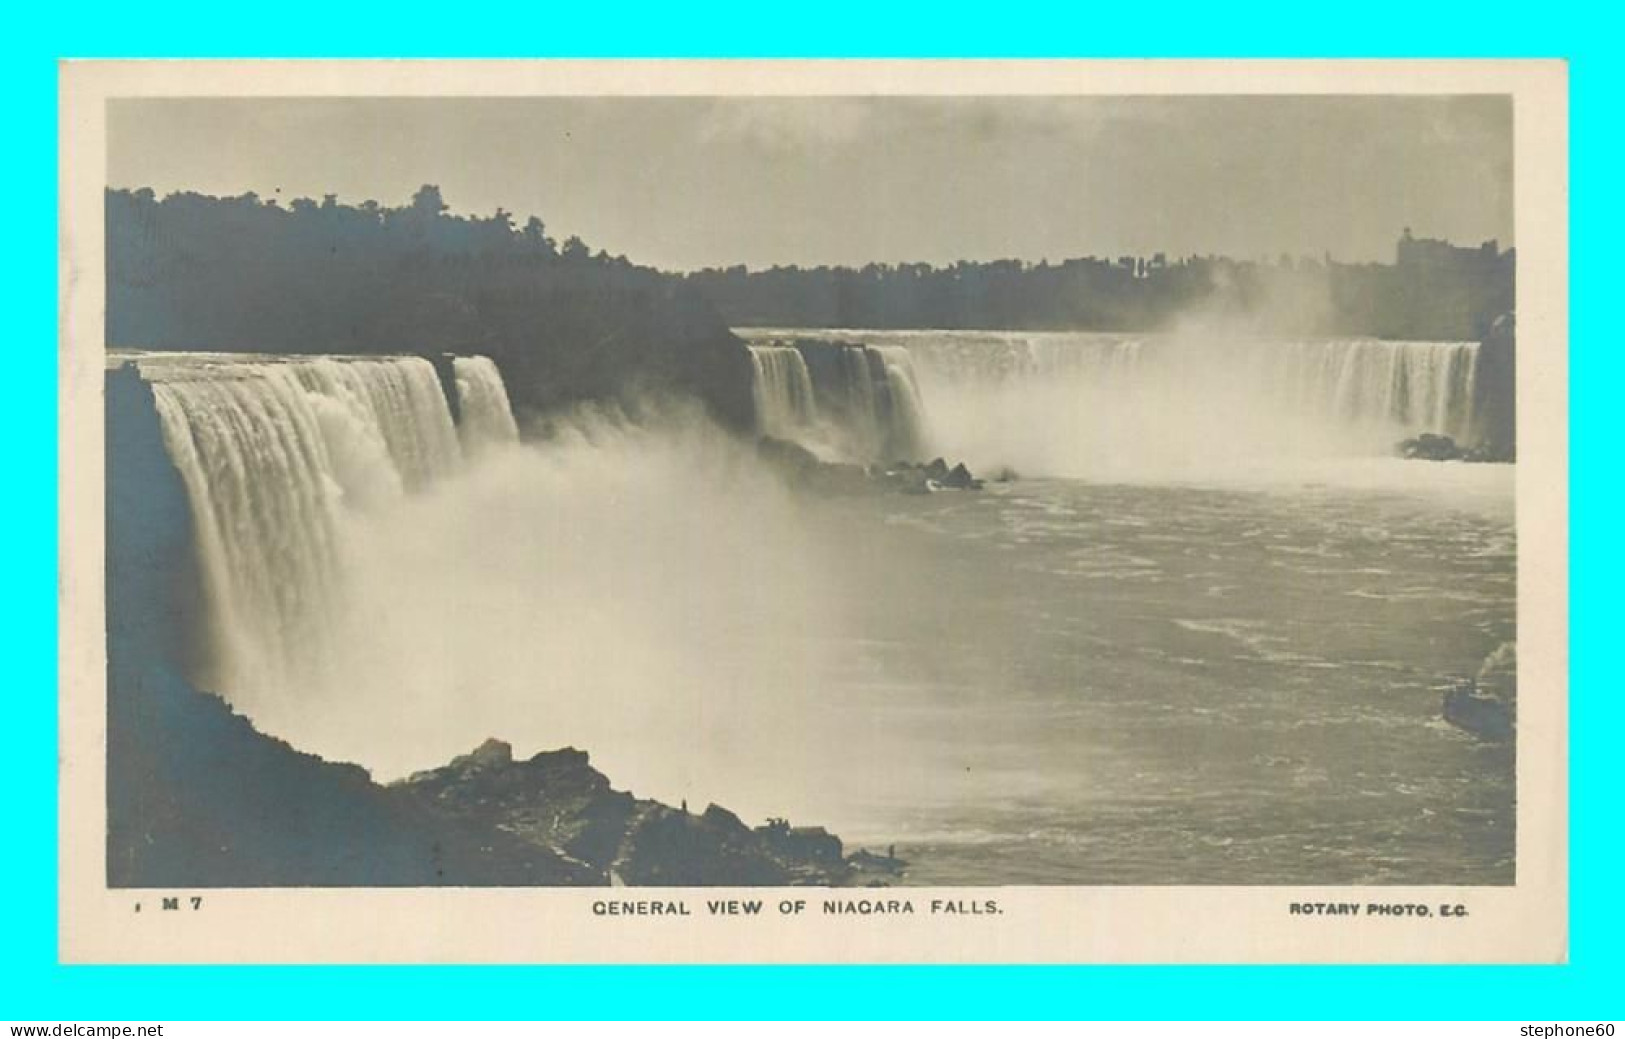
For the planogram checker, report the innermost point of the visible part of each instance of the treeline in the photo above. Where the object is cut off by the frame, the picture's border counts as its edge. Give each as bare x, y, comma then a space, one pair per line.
1449, 293
565, 323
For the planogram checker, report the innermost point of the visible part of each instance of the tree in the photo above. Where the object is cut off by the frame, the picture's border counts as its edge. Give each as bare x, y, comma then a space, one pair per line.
428, 202
536, 238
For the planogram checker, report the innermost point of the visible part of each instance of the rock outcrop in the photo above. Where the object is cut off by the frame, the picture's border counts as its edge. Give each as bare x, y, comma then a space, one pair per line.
930, 477
557, 802
1431, 447
1436, 447
806, 470
1484, 716
198, 798
1486, 705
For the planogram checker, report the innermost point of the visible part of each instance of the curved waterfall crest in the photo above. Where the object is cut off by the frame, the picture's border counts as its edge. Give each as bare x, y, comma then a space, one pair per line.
1061, 401
1411, 386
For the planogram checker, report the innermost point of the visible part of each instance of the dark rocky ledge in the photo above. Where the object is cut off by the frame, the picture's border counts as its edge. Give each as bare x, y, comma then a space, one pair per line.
198, 798
1485, 717
1436, 447
1486, 705
804, 469
559, 803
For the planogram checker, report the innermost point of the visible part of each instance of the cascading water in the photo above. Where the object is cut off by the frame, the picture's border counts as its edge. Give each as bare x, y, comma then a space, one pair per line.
849, 400
1085, 404
485, 416
859, 392
906, 425
782, 390
399, 400
1363, 382
279, 457
565, 592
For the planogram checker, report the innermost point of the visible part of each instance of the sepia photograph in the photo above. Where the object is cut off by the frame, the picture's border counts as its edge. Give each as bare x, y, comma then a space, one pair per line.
896, 490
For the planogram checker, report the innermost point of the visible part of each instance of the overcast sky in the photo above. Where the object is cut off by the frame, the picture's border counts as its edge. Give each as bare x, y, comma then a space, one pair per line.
682, 183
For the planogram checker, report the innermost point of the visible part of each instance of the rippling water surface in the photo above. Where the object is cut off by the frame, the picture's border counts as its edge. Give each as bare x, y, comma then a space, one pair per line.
1236, 683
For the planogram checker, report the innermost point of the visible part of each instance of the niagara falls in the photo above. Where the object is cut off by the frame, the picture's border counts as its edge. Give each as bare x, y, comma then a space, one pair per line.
446, 549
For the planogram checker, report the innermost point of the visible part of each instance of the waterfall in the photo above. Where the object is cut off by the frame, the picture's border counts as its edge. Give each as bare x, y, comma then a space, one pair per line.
486, 418
782, 390
1413, 386
567, 591
905, 419
280, 457
853, 401
1078, 403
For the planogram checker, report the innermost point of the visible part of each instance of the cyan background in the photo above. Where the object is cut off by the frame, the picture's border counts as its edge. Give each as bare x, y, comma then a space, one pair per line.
35, 36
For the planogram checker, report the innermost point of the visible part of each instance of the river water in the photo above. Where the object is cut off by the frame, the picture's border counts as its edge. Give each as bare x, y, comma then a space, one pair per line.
1108, 683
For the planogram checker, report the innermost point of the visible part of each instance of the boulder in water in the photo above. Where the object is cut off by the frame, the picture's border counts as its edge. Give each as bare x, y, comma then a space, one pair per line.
807, 470
1436, 447
1486, 717
1432, 447
960, 478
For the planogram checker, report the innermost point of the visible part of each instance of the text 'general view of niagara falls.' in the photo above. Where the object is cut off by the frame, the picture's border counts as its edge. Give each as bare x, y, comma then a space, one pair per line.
834, 491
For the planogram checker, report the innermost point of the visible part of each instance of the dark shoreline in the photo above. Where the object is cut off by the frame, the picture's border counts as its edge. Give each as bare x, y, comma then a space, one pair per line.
199, 798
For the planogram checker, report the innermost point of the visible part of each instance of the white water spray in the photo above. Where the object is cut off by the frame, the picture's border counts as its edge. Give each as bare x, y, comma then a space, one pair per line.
638, 590
1145, 407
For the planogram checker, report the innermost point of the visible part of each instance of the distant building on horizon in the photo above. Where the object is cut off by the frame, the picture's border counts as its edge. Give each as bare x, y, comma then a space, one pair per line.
1438, 253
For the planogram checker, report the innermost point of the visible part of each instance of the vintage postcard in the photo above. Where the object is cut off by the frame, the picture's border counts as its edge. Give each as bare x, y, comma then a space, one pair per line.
818, 511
